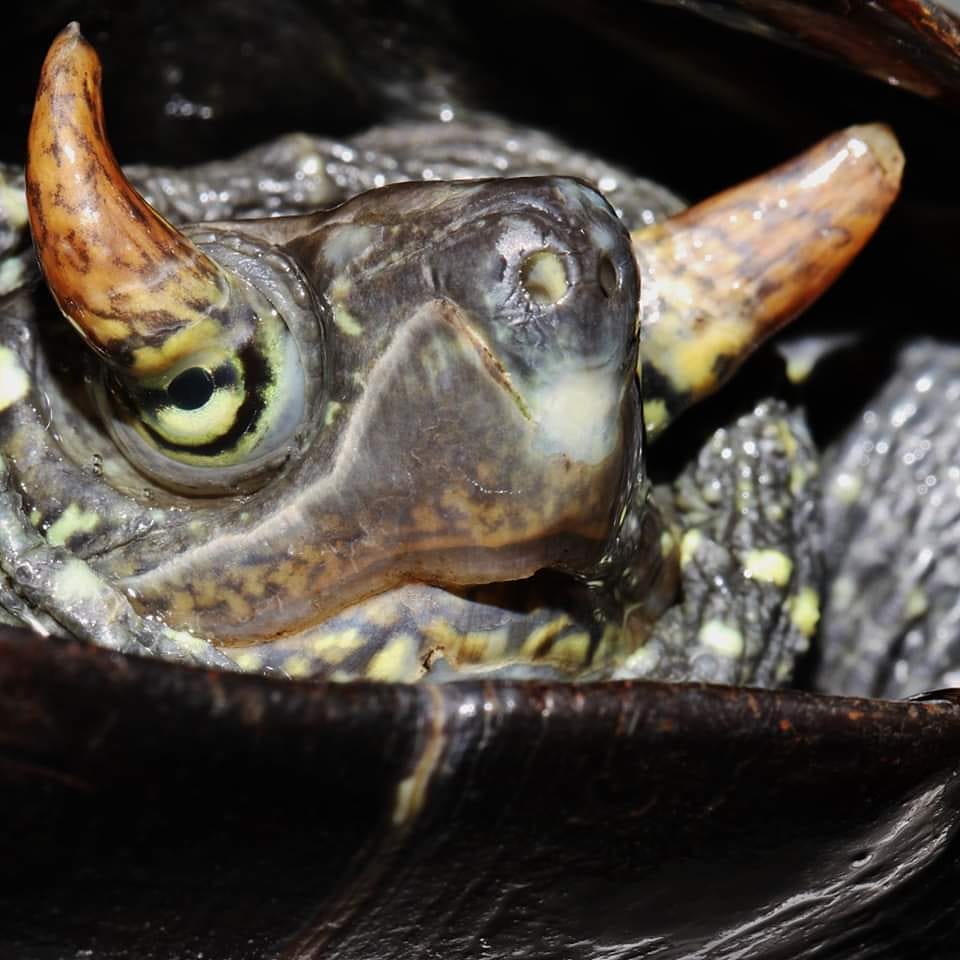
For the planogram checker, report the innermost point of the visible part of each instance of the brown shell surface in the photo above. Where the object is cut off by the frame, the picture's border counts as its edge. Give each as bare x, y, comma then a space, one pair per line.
158, 811
909, 43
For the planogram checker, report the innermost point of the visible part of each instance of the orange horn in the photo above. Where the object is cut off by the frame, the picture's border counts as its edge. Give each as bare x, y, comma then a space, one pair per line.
139, 292
719, 278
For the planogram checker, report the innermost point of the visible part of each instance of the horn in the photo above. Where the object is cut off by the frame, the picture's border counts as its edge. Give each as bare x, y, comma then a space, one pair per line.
719, 278
139, 292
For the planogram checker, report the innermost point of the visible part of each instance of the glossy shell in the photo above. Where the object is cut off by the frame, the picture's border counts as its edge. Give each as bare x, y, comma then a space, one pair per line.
246, 818
158, 811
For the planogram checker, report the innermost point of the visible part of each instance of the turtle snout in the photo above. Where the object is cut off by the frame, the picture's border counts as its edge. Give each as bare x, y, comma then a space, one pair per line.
570, 337
579, 286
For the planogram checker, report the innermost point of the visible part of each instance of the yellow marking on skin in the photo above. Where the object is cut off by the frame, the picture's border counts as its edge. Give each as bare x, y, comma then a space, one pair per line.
254, 582
655, 415
539, 641
804, 610
785, 670
73, 521
721, 638
917, 603
14, 382
77, 583
787, 438
441, 631
689, 545
639, 663
333, 408
484, 646
571, 650
13, 205
667, 543
798, 479
799, 367
206, 592
237, 605
412, 791
574, 412
298, 667
335, 646
610, 642
340, 288
544, 277
427, 520
11, 274
693, 362
201, 334
346, 321
295, 581
847, 487
474, 646
35, 517
397, 662
182, 605
382, 611
768, 566
248, 660
187, 641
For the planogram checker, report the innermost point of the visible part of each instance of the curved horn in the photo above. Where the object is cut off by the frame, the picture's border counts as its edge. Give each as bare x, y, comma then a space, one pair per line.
138, 291
721, 277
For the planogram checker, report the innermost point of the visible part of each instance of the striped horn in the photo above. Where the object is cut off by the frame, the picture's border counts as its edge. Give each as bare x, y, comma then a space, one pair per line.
719, 278
139, 292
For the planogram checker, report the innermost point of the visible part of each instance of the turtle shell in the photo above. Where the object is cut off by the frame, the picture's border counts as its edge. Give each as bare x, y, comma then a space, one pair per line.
162, 811
156, 811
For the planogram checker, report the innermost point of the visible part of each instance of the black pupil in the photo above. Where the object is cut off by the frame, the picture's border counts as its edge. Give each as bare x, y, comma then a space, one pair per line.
191, 389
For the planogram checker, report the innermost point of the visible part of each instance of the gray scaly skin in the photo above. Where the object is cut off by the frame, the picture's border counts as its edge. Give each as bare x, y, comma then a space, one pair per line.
892, 505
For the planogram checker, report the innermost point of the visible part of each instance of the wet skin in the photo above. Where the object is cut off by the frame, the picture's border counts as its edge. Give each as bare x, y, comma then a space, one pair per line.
403, 437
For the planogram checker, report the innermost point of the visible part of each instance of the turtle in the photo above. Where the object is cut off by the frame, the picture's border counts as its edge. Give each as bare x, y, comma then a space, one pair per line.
400, 765
317, 529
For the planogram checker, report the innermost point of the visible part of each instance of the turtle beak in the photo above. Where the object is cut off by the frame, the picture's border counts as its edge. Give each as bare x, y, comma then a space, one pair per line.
719, 278
136, 289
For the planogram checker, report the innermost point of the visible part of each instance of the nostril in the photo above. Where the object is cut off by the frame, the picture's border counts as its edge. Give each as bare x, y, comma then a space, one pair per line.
544, 277
607, 276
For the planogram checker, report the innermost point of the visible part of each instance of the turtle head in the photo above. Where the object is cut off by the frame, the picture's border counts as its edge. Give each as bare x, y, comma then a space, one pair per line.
431, 382
482, 349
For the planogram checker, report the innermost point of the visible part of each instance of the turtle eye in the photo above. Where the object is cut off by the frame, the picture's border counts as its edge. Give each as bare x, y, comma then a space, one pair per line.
219, 420
194, 388
203, 384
